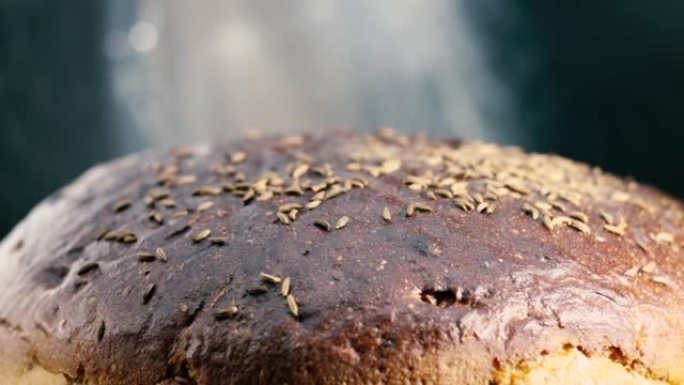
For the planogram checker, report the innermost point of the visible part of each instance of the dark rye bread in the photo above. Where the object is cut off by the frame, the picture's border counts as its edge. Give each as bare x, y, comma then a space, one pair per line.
456, 260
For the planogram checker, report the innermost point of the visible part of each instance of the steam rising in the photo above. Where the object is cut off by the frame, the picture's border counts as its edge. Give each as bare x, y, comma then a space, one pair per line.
225, 67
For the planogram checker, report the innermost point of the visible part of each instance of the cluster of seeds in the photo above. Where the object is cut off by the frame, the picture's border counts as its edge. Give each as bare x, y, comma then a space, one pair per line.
551, 220
473, 178
145, 256
269, 280
324, 225
476, 177
413, 208
303, 177
327, 187
285, 288
121, 237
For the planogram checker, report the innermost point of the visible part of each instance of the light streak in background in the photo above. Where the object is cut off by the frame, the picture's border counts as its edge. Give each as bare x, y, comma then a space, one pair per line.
217, 68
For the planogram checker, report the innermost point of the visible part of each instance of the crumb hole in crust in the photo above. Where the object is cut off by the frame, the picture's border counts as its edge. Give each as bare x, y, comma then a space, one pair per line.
440, 298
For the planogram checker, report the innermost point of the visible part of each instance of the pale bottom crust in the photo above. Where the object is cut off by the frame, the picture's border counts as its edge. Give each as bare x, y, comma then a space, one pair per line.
572, 367
568, 367
36, 376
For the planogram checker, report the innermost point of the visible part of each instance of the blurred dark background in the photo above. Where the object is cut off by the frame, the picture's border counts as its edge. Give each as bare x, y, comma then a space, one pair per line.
85, 81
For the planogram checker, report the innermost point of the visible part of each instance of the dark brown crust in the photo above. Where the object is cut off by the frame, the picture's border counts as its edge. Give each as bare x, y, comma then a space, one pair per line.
440, 297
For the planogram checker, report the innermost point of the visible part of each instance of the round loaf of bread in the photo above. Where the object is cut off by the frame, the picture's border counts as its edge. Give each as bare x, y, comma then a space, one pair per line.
345, 258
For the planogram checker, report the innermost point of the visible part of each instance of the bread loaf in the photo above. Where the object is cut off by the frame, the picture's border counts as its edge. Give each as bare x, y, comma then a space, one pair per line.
345, 258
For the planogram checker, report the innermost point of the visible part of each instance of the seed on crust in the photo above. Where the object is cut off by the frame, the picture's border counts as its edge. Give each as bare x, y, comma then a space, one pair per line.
238, 157
444, 193
208, 191
186, 179
410, 210
580, 216
249, 195
292, 305
178, 231
270, 278
156, 217
649, 267
608, 218
300, 170
157, 194
283, 218
202, 235
620, 196
122, 206
87, 268
226, 313
285, 288
161, 254
284, 208
390, 165
422, 207
386, 215
149, 293
294, 189
334, 191
204, 206
531, 210
580, 226
618, 230
463, 204
293, 214
548, 222
342, 222
663, 280
663, 237
168, 203
180, 214
632, 271
128, 238
257, 290
146, 256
